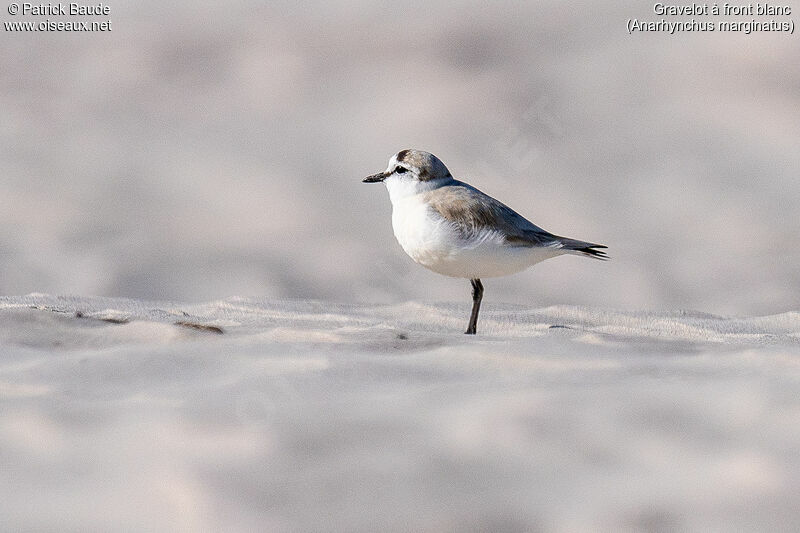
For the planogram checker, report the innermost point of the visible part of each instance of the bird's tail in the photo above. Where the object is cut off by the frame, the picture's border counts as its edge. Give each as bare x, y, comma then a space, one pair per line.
587, 249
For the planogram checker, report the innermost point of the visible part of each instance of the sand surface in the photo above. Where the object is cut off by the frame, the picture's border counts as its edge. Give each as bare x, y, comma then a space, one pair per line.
290, 415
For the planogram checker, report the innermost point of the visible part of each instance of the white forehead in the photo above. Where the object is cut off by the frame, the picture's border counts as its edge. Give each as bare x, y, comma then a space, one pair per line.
413, 159
394, 162
425, 165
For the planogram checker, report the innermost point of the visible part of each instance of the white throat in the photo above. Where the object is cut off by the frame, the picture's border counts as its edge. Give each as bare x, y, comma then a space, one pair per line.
400, 187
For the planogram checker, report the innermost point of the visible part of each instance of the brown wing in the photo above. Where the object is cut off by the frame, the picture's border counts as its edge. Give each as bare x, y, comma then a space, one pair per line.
472, 211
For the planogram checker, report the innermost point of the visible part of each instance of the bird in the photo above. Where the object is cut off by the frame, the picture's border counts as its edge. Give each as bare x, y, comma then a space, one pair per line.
452, 228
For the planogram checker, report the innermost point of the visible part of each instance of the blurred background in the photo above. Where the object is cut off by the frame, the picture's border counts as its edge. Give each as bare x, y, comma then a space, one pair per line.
201, 150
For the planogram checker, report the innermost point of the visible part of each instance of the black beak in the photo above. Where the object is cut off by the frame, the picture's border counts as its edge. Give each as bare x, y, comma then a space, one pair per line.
375, 178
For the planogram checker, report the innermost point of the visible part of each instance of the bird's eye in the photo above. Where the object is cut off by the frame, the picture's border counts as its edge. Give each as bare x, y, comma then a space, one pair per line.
401, 170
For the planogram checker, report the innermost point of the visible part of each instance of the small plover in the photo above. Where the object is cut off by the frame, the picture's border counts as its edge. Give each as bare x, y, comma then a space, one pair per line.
454, 229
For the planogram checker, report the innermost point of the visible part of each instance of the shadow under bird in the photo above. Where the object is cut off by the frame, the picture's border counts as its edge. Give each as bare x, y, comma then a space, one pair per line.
454, 229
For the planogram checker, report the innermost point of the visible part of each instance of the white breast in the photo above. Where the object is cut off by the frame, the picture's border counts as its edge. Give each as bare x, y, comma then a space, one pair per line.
426, 239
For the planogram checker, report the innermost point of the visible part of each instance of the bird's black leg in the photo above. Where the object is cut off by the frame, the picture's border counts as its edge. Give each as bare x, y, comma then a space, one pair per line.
477, 295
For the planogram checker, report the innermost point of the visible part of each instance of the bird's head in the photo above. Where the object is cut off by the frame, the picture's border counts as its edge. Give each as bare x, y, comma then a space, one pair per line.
411, 171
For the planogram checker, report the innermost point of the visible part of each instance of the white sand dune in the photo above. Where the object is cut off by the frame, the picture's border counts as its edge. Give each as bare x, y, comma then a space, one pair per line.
309, 416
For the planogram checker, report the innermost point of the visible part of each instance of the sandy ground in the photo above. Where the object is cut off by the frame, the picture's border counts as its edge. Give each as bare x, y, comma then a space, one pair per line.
247, 414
